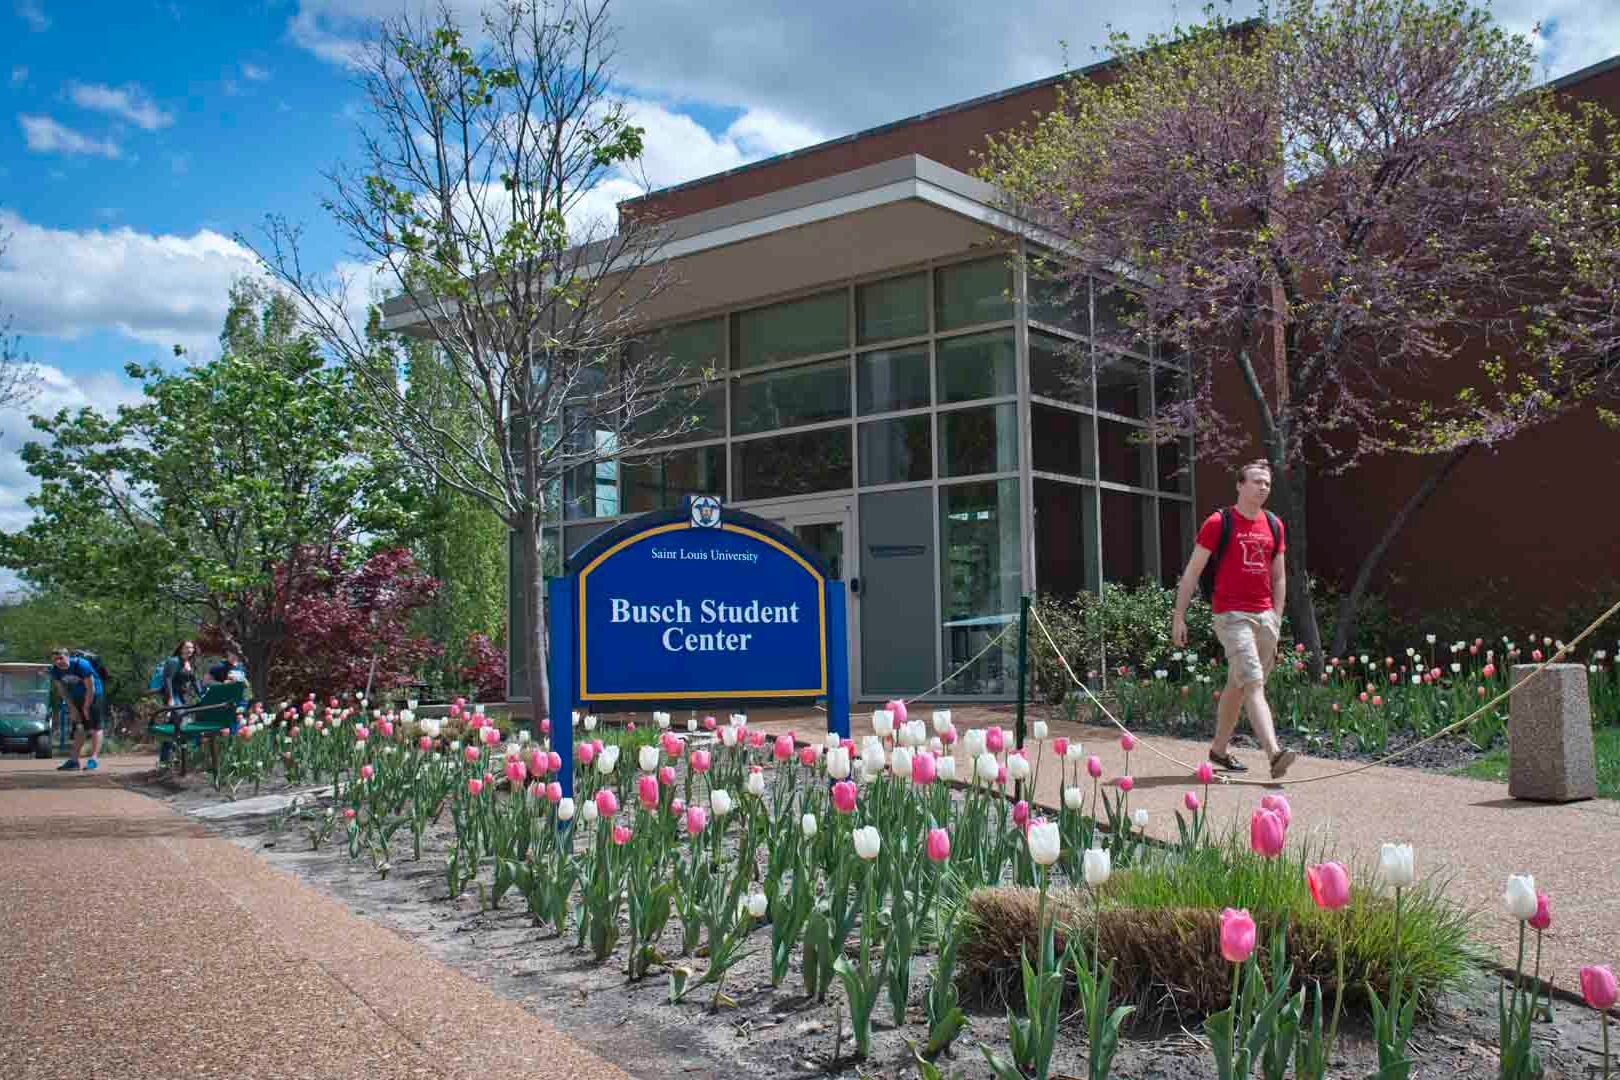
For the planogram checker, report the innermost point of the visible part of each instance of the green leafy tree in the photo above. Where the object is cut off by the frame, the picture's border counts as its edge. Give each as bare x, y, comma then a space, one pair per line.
130, 638
215, 495
18, 378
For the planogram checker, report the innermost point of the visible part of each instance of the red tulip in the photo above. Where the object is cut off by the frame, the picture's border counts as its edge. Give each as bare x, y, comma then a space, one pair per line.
1237, 935
1060, 746
807, 756
1330, 885
782, 749
1124, 783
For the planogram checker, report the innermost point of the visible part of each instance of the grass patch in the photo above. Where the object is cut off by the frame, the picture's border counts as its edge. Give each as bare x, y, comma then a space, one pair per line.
1605, 747
1158, 922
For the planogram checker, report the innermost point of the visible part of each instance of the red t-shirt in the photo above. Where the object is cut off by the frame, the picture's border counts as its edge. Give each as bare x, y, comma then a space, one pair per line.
1243, 578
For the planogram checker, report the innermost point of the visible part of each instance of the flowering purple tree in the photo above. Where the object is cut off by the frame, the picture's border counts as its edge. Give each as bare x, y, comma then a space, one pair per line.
1359, 210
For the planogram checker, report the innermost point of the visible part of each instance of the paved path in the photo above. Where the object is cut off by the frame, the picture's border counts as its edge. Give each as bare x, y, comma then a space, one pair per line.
136, 945
1466, 830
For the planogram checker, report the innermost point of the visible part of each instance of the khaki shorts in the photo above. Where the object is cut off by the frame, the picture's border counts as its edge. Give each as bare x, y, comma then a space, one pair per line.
1250, 641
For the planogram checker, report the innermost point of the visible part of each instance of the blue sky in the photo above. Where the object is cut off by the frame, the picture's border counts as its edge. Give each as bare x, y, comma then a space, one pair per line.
137, 138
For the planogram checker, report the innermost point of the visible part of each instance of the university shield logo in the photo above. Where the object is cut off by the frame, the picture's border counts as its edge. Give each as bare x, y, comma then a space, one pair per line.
705, 511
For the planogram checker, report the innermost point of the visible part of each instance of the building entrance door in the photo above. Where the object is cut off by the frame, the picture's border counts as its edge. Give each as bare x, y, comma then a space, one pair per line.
827, 531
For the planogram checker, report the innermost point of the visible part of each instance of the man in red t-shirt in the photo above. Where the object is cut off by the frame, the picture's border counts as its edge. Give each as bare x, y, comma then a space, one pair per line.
1250, 584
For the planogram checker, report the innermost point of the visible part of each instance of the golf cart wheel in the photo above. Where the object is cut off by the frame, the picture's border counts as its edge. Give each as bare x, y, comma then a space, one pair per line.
42, 746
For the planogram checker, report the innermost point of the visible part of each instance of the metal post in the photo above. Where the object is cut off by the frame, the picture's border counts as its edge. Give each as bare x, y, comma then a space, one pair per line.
1023, 678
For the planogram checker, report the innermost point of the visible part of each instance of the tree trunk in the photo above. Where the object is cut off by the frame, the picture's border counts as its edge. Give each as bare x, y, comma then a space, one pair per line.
1345, 624
534, 587
1301, 608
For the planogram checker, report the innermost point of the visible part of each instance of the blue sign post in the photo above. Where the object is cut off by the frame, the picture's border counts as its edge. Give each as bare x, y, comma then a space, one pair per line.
695, 605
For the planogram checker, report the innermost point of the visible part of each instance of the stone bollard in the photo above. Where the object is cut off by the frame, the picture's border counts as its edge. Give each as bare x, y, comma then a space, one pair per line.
1550, 757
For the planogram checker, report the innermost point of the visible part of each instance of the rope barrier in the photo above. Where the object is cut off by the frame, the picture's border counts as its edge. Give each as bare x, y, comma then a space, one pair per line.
973, 660
1448, 729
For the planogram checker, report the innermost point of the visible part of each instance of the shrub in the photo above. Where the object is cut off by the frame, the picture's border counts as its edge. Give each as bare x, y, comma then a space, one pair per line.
1126, 626
484, 668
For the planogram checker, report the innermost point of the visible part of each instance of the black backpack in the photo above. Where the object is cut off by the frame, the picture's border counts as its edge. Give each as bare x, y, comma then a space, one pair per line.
1206, 580
95, 664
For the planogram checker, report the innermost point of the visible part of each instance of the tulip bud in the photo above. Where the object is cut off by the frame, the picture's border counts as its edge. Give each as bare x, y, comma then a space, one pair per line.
974, 742
838, 763
1094, 766
565, 809
1073, 798
843, 797
1205, 773
662, 720
1045, 843
868, 842
589, 811
1127, 742
900, 761
1139, 817
1190, 801
1598, 987
1018, 766
1278, 805
987, 767
1330, 885
883, 723
1267, 833
1038, 729
939, 845
607, 803
946, 767
1237, 935
1520, 896
807, 825
756, 782
720, 801
995, 740
756, 904
1395, 865
1097, 866
647, 758
1542, 919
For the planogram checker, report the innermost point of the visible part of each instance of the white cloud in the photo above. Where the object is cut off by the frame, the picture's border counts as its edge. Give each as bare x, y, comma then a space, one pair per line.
19, 75
128, 102
31, 13
163, 290
45, 136
308, 30
254, 73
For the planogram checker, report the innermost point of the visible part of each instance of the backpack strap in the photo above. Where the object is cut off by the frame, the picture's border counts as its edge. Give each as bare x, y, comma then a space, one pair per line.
1276, 530
1226, 536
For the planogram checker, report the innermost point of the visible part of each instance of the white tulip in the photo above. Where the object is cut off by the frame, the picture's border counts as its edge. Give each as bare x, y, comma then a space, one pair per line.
936, 745
590, 721
1073, 798
565, 809
1038, 729
833, 739
359, 746
647, 758
973, 742
883, 723
720, 802
607, 760
807, 825
728, 736
1520, 897
739, 719
946, 768
589, 812
868, 842
900, 761
1017, 767
1044, 843
942, 721
1097, 866
757, 904
987, 767
691, 725
524, 737
756, 784
838, 763
662, 720
1075, 751
1395, 865
1139, 817
455, 746
872, 756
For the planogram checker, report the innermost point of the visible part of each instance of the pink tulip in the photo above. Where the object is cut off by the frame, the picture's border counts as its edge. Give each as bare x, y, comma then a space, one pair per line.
387, 729
545, 725
923, 768
995, 741
1267, 833
621, 834
362, 732
939, 845
1001, 776
455, 712
538, 762
708, 723
587, 753
700, 761
807, 756
647, 791
949, 737
1278, 805
1020, 813
1377, 700
1543, 916
367, 772
782, 748
1535, 654
470, 754
756, 740
666, 775
670, 743
1127, 742
843, 797
1237, 935
1489, 670
677, 807
607, 803
630, 725
554, 792
1205, 773
554, 760
898, 708
537, 789
1330, 885
348, 813
489, 781
516, 771
475, 786
460, 702
1124, 783
424, 744
1060, 746
697, 819
1598, 987
1094, 766
1190, 801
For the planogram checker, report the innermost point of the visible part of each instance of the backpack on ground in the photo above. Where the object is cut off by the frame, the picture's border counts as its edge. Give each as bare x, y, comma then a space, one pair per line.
1206, 580
95, 663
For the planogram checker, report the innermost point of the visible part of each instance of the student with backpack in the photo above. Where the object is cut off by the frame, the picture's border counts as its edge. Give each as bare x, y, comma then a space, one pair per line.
1238, 560
81, 679
178, 685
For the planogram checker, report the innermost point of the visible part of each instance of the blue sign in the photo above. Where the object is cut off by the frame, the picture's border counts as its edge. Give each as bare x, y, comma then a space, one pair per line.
692, 606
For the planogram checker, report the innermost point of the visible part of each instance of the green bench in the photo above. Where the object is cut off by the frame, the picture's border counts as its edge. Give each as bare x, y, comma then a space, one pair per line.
210, 715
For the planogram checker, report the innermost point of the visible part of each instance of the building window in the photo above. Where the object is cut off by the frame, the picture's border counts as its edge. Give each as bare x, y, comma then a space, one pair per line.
1061, 441
970, 294
1057, 368
1129, 546
661, 481
684, 414
896, 308
976, 441
978, 366
795, 464
892, 379
895, 451
979, 582
789, 397
769, 335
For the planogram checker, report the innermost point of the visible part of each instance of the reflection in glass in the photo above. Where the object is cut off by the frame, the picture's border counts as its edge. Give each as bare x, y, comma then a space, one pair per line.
691, 350
1058, 303
685, 413
1175, 539
1122, 385
1065, 537
1125, 457
1061, 441
792, 464
653, 483
897, 308
892, 379
1059, 369
974, 293
816, 324
1128, 550
974, 441
979, 582
788, 397
977, 366
895, 451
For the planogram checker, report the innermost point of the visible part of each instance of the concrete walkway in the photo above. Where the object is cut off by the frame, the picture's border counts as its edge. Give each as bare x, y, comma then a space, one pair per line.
1466, 831
135, 944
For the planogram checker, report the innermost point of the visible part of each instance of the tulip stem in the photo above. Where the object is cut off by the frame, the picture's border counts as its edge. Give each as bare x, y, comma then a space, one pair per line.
1338, 990
1605, 1025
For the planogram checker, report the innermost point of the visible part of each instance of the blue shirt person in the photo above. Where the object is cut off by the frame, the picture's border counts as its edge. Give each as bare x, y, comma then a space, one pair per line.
81, 688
